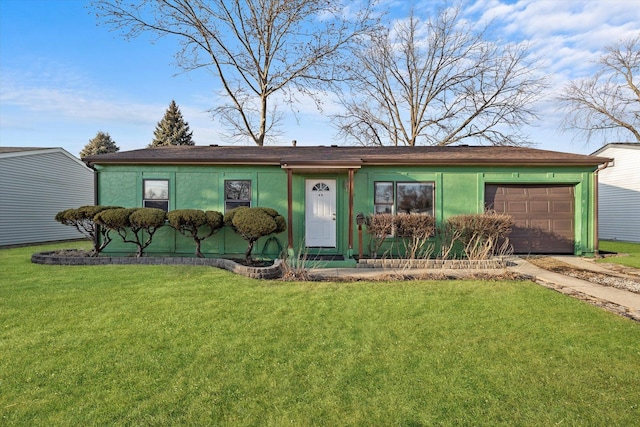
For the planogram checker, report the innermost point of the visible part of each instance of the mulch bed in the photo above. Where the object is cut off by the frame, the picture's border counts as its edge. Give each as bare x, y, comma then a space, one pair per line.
560, 267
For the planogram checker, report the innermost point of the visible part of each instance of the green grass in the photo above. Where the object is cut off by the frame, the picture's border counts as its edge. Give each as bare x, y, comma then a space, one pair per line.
632, 249
172, 345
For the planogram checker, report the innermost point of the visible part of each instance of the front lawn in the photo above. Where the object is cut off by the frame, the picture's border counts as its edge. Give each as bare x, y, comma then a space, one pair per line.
632, 259
176, 345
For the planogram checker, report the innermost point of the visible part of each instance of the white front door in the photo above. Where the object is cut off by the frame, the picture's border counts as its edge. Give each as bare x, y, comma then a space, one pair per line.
320, 208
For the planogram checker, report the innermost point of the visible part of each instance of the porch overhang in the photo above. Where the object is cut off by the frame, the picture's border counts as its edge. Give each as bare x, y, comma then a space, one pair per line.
315, 167
331, 167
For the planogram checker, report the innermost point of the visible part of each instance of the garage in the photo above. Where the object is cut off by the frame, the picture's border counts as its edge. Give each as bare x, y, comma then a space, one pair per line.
544, 216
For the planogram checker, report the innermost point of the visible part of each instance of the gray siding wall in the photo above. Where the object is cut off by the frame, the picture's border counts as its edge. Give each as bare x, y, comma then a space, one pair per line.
619, 195
34, 188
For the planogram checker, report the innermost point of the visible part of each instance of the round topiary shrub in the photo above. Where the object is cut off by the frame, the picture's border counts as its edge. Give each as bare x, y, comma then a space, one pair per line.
147, 218
82, 219
196, 224
115, 219
254, 223
142, 222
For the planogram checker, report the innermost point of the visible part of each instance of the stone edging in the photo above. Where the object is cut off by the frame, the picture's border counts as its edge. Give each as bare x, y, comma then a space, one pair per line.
271, 272
454, 264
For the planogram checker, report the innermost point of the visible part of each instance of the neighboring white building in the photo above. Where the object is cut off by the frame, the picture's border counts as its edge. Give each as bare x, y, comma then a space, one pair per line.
37, 183
619, 193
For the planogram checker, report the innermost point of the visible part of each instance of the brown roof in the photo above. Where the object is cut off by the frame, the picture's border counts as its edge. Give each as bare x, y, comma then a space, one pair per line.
344, 156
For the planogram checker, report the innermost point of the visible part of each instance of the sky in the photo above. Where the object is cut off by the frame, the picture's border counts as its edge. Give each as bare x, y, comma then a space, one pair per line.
64, 76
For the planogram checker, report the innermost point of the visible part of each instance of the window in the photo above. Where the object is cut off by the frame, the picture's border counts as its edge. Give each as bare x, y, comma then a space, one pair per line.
414, 198
237, 193
156, 194
383, 198
321, 186
409, 197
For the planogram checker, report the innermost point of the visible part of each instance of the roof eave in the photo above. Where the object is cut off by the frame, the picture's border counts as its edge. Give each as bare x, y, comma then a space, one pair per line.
182, 162
489, 162
356, 163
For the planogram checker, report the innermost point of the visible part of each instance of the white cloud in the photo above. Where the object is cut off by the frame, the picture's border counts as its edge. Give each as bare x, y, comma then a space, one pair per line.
67, 98
568, 36
51, 104
588, 24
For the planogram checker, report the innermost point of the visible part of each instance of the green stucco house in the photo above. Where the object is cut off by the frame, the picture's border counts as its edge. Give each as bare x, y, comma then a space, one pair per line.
321, 190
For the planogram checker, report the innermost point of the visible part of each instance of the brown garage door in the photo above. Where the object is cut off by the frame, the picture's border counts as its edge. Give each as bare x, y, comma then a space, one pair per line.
543, 216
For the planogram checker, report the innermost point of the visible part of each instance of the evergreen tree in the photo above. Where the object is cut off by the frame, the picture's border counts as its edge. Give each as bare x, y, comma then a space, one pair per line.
172, 129
100, 144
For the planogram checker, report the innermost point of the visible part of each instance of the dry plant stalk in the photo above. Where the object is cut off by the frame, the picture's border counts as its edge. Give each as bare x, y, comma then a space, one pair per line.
484, 235
448, 236
416, 229
379, 227
296, 267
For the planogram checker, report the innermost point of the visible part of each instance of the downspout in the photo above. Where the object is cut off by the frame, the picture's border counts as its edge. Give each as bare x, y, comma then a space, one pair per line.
596, 239
95, 182
95, 186
95, 200
350, 212
290, 210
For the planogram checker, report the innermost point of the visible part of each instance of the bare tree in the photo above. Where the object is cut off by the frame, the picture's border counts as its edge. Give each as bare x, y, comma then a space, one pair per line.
256, 48
607, 104
437, 82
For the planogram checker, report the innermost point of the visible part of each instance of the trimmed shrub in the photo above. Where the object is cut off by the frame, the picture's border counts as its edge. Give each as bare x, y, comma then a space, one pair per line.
482, 235
379, 227
82, 219
142, 222
415, 226
416, 230
197, 224
115, 219
145, 221
145, 218
254, 223
448, 238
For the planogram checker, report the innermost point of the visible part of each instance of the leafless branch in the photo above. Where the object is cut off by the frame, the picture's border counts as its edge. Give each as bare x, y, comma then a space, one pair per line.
255, 48
438, 82
608, 103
